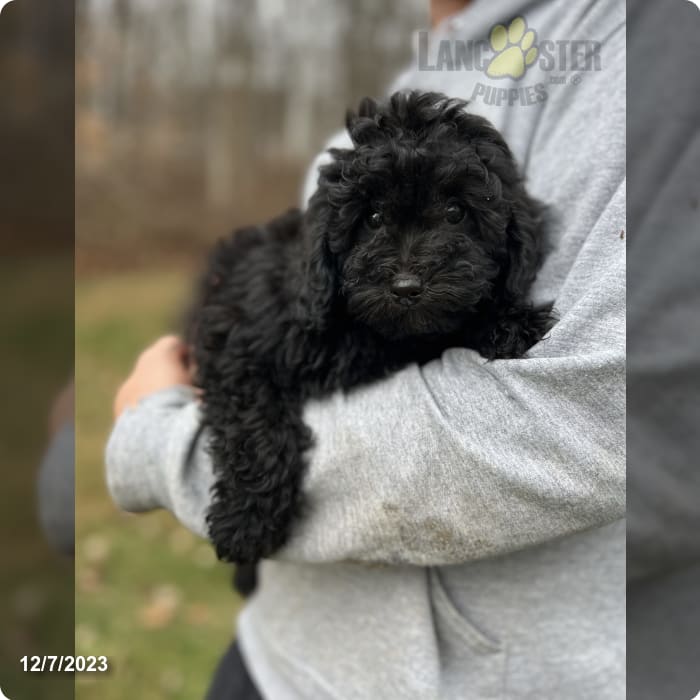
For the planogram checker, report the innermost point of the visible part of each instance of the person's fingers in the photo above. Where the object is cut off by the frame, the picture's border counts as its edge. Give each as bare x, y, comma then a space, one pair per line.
167, 352
166, 346
161, 365
171, 343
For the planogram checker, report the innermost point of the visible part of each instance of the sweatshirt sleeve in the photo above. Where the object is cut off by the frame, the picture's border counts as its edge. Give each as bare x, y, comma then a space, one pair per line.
156, 458
462, 458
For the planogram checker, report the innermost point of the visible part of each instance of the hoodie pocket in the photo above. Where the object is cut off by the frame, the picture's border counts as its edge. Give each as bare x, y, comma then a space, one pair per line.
472, 661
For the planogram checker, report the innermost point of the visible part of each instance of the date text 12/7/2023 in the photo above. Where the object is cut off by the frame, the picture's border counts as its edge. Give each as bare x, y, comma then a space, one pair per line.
64, 664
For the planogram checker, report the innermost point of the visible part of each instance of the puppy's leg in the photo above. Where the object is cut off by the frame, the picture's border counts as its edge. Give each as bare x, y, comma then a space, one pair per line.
259, 459
514, 331
245, 578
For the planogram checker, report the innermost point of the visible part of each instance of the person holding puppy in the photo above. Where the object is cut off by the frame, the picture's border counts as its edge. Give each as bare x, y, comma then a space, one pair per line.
465, 536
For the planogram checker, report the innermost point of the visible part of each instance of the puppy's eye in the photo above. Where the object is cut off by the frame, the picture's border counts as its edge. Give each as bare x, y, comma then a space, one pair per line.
375, 220
454, 213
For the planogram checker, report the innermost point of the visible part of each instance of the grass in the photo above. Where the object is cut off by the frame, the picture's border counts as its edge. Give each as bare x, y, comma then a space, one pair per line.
149, 595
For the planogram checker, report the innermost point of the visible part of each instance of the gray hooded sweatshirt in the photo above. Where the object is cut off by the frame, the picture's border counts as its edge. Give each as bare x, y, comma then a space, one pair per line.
465, 536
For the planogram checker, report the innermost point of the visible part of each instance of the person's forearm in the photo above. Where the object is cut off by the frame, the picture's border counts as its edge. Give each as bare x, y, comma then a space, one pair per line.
416, 468
156, 458
452, 477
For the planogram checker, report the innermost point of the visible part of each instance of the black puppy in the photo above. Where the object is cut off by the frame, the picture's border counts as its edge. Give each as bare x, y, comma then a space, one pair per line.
420, 238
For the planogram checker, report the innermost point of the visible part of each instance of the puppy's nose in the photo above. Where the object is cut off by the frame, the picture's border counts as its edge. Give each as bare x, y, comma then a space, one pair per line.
406, 286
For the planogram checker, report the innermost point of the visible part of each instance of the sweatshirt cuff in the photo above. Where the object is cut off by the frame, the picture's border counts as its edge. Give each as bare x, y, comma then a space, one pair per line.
147, 441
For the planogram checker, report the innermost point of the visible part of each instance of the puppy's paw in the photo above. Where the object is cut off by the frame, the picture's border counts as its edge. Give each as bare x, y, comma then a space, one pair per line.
516, 331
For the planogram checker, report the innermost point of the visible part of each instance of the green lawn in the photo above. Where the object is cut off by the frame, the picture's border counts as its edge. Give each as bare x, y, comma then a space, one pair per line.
149, 595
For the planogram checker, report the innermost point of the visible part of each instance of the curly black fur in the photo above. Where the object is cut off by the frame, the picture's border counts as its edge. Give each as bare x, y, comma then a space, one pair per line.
420, 238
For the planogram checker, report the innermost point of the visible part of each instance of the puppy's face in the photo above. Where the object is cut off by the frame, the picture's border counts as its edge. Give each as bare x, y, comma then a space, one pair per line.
418, 219
424, 251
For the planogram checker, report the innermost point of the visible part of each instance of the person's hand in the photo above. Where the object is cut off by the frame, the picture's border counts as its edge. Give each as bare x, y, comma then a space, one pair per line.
161, 365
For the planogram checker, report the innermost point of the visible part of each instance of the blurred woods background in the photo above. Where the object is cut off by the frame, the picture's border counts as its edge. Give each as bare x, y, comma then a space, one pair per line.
193, 117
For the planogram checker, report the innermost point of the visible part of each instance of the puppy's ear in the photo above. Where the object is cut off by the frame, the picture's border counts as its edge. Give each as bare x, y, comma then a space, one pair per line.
525, 245
320, 278
368, 107
363, 126
524, 230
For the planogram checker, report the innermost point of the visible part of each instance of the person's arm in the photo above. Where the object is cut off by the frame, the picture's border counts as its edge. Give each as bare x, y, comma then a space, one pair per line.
155, 456
464, 459
454, 461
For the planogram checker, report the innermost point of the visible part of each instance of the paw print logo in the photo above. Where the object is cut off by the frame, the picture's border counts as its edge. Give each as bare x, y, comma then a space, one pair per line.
515, 50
